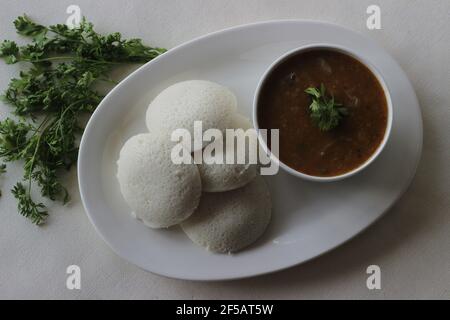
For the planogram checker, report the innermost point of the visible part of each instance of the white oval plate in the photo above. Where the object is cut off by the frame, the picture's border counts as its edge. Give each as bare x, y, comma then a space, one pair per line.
308, 218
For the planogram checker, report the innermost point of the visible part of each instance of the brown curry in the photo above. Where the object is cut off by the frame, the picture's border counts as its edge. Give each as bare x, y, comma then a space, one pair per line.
284, 105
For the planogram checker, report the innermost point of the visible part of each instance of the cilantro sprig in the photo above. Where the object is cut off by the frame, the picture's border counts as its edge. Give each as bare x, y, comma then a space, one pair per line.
325, 111
51, 97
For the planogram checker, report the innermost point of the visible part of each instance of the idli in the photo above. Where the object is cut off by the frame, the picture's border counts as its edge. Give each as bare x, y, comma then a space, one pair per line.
229, 221
159, 192
219, 177
178, 106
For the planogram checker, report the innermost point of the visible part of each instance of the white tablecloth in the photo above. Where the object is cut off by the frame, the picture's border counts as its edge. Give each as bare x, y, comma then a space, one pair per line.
411, 243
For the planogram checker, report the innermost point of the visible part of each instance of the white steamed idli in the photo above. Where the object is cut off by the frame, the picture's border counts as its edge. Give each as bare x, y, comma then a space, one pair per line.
224, 177
229, 221
159, 192
179, 105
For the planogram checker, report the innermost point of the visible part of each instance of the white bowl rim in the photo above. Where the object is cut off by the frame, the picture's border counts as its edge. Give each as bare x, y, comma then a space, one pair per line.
351, 53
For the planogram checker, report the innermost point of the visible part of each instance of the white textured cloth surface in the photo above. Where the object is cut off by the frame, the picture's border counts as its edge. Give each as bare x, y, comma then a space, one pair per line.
411, 243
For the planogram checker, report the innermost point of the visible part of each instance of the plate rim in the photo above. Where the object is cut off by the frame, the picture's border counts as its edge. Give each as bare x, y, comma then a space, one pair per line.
88, 128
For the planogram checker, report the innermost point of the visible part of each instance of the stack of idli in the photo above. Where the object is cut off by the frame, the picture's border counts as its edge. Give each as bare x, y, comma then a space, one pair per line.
221, 207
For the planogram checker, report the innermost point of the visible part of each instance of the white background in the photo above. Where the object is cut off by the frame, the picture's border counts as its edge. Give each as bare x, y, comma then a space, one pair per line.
411, 243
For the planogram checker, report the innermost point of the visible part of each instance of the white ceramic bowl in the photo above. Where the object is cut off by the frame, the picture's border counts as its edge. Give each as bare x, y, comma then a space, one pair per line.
351, 54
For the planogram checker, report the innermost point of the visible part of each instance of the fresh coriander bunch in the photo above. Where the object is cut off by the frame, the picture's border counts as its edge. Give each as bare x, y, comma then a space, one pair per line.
50, 97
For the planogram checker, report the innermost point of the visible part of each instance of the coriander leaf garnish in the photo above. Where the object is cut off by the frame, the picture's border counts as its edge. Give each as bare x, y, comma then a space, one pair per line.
324, 111
52, 96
